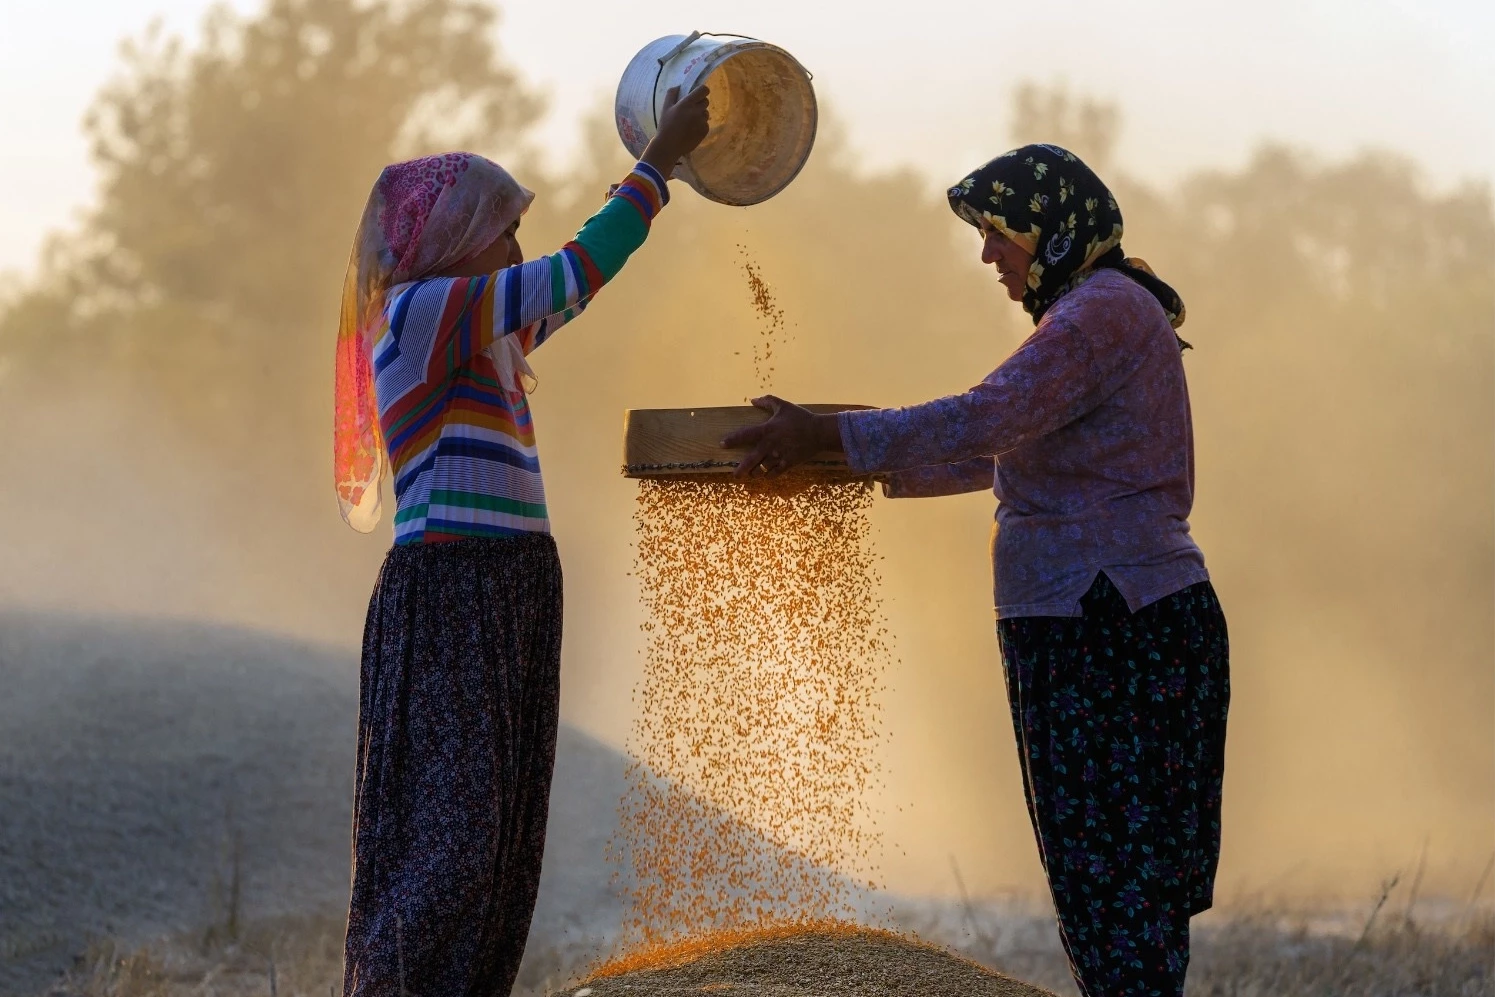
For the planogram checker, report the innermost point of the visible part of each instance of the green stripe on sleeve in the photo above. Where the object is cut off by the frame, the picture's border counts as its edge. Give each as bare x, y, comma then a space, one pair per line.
612, 234
557, 283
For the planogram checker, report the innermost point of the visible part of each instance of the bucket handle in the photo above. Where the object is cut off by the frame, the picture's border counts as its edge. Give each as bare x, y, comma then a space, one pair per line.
691, 39
654, 99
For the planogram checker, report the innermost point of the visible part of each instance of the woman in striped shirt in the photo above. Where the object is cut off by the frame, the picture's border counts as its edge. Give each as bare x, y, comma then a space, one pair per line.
460, 683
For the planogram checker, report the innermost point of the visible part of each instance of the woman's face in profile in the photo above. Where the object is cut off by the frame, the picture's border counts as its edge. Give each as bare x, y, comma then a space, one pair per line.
502, 253
1010, 259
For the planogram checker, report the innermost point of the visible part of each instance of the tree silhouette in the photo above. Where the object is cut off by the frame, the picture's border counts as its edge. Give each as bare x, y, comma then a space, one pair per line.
1084, 125
233, 175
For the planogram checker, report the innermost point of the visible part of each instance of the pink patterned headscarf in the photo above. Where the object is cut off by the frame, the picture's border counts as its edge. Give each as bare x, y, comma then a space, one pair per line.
423, 216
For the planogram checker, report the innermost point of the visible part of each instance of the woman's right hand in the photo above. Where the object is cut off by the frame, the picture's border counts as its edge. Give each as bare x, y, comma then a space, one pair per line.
791, 436
682, 125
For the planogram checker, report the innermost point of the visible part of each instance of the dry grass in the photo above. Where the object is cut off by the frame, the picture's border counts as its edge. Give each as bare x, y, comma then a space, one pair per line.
287, 957
1260, 956
1254, 954
295, 956
1264, 951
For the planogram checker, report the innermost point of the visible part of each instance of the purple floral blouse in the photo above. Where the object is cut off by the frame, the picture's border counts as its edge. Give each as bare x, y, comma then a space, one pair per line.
1084, 434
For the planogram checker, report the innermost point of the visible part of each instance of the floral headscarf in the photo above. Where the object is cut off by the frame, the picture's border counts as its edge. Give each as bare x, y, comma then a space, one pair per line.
423, 216
1054, 206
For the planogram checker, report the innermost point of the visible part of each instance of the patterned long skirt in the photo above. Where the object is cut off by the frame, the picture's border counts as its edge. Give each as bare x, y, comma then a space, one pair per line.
458, 712
1120, 724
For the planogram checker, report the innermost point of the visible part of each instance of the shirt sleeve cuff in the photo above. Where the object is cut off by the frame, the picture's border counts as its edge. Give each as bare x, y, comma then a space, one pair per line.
895, 486
852, 441
661, 185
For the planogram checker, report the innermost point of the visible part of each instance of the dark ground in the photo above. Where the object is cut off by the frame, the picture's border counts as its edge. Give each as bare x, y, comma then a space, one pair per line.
138, 759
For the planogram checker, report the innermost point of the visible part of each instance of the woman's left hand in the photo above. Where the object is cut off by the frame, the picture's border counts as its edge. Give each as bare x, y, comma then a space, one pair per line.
791, 436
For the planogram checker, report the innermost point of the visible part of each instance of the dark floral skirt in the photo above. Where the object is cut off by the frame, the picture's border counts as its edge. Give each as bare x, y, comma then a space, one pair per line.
458, 712
1120, 723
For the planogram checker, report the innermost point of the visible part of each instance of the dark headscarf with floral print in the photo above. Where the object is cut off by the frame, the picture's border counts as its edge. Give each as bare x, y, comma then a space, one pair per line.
1054, 206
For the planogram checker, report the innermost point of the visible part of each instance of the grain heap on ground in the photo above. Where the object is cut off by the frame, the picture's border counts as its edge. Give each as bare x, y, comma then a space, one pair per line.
821, 960
758, 717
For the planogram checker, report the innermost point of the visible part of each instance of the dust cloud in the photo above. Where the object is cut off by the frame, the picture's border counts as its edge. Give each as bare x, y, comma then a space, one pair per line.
167, 391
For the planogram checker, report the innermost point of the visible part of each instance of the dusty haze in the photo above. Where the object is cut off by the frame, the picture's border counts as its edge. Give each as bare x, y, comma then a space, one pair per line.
167, 384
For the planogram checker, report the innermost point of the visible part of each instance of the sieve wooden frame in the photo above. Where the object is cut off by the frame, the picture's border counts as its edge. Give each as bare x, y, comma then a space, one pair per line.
686, 442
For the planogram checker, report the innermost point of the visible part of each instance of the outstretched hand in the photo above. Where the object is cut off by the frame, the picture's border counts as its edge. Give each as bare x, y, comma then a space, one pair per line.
791, 436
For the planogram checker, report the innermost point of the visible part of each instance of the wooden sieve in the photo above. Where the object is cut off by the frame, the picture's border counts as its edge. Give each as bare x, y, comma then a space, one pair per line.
675, 442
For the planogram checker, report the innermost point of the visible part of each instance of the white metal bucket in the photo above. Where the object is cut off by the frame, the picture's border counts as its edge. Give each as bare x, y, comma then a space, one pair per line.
763, 112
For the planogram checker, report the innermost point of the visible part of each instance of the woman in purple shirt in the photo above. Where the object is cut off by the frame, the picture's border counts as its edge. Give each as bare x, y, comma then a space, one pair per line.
1113, 643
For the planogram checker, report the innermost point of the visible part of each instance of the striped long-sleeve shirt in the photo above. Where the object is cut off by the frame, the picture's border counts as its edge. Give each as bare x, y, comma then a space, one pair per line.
461, 443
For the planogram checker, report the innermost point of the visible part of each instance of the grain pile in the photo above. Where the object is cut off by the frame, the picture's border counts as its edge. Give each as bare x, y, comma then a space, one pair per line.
757, 720
814, 959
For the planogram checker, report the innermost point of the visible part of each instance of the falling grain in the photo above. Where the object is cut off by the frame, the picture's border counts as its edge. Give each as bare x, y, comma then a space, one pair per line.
758, 716
771, 322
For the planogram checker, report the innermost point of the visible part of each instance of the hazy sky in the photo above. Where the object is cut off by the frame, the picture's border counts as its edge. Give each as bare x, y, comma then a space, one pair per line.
1200, 83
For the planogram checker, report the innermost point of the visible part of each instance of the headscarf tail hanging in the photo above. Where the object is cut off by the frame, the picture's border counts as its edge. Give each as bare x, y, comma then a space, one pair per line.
422, 217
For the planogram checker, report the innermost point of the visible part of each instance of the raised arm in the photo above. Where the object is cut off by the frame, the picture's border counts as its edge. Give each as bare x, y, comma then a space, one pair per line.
449, 320
539, 301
